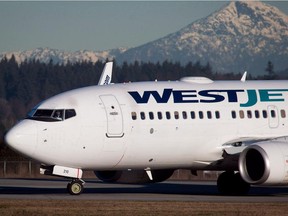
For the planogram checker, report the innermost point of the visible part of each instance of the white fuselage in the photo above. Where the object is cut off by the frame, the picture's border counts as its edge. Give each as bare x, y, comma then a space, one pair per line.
121, 127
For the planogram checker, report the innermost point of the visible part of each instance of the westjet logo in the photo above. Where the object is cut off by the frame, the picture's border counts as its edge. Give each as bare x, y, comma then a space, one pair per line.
251, 96
107, 80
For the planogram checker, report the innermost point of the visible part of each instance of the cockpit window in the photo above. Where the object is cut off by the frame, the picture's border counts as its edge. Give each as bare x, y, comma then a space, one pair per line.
43, 113
51, 115
58, 114
69, 113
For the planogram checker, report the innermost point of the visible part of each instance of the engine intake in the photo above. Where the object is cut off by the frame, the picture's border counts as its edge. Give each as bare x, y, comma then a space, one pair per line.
265, 163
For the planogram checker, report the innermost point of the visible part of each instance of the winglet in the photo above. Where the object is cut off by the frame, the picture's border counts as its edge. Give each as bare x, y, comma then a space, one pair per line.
106, 75
243, 79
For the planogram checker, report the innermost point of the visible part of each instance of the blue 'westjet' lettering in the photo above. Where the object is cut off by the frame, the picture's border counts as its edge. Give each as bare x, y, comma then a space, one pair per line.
211, 96
146, 95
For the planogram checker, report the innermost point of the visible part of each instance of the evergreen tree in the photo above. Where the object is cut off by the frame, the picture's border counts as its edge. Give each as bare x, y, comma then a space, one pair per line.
270, 70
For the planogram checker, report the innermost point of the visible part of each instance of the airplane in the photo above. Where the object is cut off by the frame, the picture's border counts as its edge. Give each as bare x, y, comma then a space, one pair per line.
144, 131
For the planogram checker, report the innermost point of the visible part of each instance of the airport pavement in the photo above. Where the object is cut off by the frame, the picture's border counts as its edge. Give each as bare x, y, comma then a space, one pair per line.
198, 191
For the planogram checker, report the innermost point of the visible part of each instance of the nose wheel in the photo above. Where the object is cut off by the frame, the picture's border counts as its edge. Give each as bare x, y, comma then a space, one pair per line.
75, 187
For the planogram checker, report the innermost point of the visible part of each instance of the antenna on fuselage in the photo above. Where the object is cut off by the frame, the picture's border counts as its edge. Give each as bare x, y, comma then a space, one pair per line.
106, 75
243, 79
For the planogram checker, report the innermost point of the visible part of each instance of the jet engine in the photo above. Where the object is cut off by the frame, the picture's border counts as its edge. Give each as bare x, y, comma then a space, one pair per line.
134, 176
265, 163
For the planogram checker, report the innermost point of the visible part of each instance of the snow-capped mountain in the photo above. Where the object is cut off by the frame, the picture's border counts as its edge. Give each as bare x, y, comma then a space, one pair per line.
62, 57
241, 36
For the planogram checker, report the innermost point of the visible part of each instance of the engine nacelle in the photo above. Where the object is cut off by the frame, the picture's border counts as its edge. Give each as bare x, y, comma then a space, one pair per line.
134, 176
265, 163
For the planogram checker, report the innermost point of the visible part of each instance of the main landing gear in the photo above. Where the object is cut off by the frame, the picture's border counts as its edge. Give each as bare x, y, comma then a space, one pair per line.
230, 183
75, 187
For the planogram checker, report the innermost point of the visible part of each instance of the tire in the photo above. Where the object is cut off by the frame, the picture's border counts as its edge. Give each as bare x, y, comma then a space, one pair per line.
242, 187
75, 187
225, 183
229, 183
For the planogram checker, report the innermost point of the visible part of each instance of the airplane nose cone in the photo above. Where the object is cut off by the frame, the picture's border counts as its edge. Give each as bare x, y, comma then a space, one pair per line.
23, 138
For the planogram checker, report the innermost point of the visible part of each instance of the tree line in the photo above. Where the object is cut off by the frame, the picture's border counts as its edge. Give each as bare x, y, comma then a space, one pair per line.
24, 85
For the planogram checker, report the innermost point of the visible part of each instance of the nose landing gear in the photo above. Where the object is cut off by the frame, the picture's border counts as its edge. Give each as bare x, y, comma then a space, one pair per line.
75, 187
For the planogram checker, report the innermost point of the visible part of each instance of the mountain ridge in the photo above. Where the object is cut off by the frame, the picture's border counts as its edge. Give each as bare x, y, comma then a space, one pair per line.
61, 56
240, 36
236, 31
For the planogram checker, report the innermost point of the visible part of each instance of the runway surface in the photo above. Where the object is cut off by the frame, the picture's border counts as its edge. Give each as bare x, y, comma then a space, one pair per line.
52, 189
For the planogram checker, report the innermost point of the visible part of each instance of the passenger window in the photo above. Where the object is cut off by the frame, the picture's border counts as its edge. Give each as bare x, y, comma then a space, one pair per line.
159, 114
241, 114
233, 113
176, 115
283, 114
168, 116
69, 113
217, 114
134, 115
209, 115
142, 115
184, 115
273, 114
151, 115
257, 115
201, 116
249, 114
264, 113
192, 113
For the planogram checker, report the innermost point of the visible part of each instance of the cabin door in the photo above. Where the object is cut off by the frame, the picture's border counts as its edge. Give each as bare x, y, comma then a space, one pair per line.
114, 147
114, 116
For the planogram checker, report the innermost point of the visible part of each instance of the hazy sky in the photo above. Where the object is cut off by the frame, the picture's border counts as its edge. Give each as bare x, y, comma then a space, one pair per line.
97, 25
